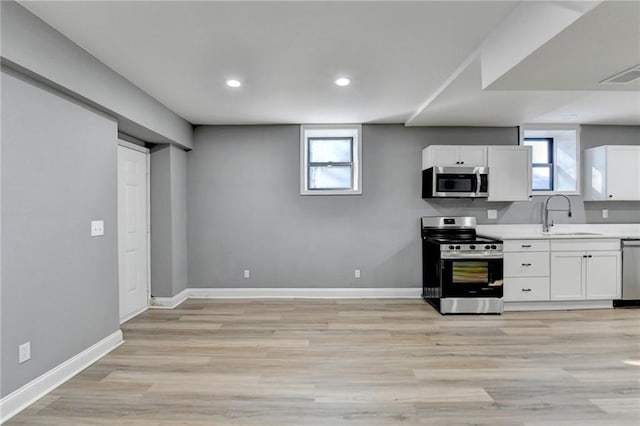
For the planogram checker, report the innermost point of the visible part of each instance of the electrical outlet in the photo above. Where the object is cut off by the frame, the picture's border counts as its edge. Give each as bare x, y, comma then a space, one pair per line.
492, 214
97, 228
24, 352
605, 213
356, 273
247, 273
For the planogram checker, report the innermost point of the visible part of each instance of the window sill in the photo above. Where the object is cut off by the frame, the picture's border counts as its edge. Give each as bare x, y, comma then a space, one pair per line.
331, 192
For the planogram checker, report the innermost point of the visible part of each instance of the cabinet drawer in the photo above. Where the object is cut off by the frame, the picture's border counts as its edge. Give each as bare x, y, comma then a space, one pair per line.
525, 245
526, 289
526, 264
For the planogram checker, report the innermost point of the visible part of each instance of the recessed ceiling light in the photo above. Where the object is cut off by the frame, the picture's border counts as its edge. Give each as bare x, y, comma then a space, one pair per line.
343, 81
233, 83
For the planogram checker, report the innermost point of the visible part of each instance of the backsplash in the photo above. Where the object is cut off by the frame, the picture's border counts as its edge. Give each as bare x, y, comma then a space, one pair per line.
531, 211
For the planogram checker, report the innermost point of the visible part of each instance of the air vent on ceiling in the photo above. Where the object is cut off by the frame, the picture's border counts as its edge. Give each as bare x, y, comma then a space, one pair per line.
626, 76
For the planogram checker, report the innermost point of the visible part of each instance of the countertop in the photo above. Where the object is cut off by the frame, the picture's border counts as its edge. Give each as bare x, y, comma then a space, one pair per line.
562, 231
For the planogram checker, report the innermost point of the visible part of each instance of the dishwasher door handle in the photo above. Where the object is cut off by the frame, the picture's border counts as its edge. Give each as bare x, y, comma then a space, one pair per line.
630, 243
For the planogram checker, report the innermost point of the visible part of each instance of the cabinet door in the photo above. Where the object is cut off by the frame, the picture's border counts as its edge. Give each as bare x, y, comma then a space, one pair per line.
472, 155
603, 275
444, 155
509, 173
567, 276
623, 173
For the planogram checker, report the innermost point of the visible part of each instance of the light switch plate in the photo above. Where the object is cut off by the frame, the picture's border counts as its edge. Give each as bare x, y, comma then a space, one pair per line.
492, 214
247, 273
356, 273
605, 213
97, 228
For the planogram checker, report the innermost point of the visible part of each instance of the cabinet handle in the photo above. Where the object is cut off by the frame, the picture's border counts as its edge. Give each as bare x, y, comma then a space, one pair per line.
462, 162
610, 195
526, 264
457, 162
526, 246
585, 256
590, 256
526, 289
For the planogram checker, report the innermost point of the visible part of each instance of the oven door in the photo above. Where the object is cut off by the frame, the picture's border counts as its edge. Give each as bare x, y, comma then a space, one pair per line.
471, 277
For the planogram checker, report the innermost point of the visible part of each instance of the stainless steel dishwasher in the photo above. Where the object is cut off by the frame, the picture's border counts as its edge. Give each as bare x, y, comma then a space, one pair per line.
630, 274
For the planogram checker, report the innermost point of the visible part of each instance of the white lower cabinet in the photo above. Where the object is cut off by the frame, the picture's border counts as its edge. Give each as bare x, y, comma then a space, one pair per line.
561, 270
567, 276
585, 274
526, 270
603, 275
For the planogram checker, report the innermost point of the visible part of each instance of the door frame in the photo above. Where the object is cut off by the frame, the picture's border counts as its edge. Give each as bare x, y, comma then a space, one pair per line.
147, 153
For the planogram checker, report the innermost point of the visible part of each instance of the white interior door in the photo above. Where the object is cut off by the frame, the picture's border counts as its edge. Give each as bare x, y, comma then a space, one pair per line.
133, 231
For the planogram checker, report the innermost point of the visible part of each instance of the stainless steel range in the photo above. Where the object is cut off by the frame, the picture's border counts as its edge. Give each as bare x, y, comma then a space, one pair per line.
461, 271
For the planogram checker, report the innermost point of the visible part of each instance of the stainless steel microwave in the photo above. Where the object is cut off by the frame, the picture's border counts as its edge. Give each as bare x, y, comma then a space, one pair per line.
455, 182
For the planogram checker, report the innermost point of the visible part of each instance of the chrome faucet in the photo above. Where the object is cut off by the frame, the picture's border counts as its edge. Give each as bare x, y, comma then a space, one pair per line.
545, 216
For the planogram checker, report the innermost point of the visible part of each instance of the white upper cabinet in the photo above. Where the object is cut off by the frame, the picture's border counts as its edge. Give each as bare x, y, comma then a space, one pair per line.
454, 155
612, 173
509, 173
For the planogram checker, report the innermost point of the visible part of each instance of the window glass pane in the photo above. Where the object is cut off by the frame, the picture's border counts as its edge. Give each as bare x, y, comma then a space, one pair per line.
539, 151
330, 177
470, 272
336, 150
542, 178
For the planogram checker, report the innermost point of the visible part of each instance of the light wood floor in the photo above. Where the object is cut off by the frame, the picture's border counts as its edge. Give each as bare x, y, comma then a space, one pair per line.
357, 362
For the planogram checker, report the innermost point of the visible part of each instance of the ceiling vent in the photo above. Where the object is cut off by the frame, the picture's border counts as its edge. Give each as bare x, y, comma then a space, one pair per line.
624, 77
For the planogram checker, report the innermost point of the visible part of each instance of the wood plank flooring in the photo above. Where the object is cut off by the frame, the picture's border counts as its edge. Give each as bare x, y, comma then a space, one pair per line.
357, 362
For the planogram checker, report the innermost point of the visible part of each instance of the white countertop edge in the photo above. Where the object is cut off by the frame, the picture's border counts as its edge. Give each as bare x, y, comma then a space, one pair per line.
534, 231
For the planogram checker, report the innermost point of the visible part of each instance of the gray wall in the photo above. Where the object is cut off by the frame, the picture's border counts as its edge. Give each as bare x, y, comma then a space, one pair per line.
160, 194
179, 219
28, 43
168, 221
245, 210
59, 285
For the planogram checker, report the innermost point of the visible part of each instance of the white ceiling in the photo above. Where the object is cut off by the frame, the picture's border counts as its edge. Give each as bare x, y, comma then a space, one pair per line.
420, 63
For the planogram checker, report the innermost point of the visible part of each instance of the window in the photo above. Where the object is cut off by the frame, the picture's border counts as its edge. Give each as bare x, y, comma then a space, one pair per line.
541, 163
330, 157
554, 158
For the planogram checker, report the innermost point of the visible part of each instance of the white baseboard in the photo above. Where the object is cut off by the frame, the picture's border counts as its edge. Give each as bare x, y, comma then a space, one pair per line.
558, 305
21, 398
298, 293
169, 302
285, 293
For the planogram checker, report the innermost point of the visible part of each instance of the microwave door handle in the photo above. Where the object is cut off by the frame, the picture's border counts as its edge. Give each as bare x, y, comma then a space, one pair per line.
478, 182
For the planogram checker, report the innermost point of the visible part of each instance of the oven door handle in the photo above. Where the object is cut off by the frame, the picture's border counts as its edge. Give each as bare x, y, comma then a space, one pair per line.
481, 256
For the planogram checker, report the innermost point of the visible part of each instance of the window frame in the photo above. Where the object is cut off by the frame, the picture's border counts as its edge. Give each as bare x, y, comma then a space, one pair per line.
327, 132
551, 128
550, 164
